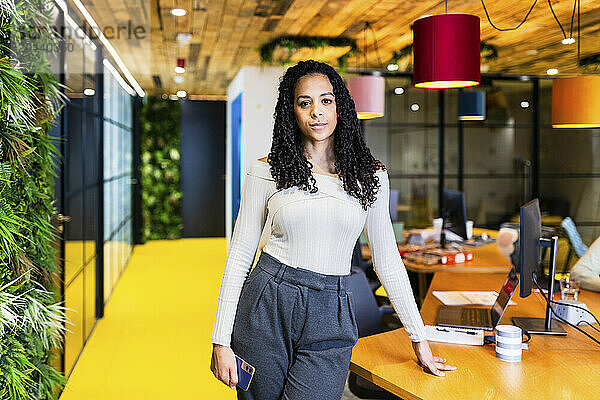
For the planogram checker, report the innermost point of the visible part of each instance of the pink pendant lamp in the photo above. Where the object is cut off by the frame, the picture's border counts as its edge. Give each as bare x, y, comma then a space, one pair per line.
368, 92
446, 51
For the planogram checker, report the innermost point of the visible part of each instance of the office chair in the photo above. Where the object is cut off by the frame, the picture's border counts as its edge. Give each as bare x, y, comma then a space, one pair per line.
574, 237
365, 266
575, 243
368, 318
368, 313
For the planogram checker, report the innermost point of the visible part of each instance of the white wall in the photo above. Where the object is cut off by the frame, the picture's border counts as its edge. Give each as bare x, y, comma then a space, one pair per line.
258, 86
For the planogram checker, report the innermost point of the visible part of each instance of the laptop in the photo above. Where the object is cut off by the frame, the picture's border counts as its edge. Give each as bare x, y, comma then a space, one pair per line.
480, 318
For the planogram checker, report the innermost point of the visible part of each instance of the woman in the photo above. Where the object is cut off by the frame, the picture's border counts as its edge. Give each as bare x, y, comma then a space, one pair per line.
293, 317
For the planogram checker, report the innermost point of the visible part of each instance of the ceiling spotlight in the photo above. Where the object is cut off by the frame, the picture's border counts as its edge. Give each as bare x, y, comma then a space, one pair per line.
179, 70
524, 104
178, 12
552, 71
178, 78
183, 38
181, 93
414, 107
89, 92
531, 52
399, 90
392, 67
568, 40
484, 68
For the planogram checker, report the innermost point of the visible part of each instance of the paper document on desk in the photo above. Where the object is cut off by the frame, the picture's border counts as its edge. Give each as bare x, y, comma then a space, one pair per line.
459, 298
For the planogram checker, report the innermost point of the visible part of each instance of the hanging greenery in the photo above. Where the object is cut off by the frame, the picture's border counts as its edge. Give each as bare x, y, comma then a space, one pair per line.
403, 58
289, 49
161, 197
489, 52
31, 318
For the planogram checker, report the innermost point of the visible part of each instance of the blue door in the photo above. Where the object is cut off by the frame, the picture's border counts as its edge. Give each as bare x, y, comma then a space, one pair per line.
236, 154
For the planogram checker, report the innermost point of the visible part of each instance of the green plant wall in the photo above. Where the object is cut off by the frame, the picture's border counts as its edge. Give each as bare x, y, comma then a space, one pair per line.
31, 318
161, 195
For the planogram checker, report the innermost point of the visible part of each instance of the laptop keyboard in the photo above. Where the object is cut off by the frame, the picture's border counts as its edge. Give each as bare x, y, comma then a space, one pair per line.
473, 316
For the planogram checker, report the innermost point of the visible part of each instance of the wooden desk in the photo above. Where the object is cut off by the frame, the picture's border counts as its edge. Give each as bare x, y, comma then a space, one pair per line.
553, 368
486, 259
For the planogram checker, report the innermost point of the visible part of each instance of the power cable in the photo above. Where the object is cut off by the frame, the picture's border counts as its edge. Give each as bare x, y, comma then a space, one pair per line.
558, 316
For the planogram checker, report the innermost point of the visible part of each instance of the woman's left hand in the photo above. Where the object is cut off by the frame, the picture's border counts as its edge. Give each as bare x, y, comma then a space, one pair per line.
436, 365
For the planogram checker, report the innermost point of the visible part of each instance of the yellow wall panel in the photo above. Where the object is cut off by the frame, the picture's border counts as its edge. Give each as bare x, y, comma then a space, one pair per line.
73, 258
90, 296
74, 313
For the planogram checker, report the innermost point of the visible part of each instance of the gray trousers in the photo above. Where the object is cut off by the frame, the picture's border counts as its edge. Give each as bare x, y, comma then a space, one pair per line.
297, 328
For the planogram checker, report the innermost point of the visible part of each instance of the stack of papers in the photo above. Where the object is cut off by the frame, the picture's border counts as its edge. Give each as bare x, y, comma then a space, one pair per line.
451, 298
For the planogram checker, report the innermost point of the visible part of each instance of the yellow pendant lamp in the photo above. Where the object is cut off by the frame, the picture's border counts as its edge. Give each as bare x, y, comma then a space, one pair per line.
576, 99
576, 102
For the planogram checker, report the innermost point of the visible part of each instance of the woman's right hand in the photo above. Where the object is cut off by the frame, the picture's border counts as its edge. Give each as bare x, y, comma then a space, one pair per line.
223, 365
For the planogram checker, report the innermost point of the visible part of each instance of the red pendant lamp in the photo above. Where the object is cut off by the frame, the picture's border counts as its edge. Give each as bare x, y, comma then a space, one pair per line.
446, 51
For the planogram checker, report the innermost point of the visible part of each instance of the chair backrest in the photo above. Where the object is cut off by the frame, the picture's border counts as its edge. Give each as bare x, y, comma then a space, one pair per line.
368, 315
357, 258
398, 231
362, 238
394, 195
574, 237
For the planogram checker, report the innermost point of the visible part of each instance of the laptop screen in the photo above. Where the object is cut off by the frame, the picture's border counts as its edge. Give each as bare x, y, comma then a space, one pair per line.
508, 288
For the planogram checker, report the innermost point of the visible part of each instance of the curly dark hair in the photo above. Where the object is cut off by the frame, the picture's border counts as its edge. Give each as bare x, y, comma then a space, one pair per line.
353, 160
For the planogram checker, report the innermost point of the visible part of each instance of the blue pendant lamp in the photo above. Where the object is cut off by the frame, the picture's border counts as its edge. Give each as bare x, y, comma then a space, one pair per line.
471, 105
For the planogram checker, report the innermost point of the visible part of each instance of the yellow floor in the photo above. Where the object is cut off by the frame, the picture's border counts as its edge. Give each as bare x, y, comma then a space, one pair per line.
155, 339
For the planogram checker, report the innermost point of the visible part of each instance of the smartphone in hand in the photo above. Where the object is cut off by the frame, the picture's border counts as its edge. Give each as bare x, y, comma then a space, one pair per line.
245, 373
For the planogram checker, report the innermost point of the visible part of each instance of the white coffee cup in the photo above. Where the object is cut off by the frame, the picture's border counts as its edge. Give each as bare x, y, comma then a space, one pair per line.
437, 228
469, 229
509, 343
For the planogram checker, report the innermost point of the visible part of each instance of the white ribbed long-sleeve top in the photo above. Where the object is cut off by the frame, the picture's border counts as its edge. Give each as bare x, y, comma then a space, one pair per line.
314, 231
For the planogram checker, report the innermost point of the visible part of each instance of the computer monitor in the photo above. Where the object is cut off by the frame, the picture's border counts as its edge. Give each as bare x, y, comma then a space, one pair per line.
531, 244
454, 212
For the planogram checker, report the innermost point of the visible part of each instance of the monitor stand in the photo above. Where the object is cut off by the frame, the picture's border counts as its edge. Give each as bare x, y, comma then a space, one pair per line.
442, 233
543, 279
537, 326
544, 326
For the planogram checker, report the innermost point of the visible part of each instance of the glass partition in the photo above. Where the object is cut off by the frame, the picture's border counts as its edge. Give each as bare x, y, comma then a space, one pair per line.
117, 178
97, 107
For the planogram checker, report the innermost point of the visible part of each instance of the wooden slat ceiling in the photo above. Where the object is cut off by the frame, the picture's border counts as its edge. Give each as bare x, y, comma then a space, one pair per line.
227, 33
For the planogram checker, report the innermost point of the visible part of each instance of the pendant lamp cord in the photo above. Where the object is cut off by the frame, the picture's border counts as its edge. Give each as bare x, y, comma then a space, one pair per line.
369, 27
446, 6
365, 45
578, 30
573, 17
575, 5
375, 42
507, 29
556, 18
